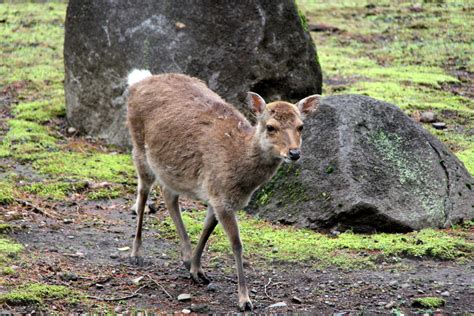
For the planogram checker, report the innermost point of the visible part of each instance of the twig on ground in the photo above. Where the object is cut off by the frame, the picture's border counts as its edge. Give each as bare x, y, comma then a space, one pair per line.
265, 289
111, 299
161, 286
35, 208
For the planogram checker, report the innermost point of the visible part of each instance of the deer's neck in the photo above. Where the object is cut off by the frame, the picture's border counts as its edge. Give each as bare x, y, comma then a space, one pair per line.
258, 164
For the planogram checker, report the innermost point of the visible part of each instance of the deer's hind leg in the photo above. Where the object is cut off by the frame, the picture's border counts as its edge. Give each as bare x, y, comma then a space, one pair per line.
171, 201
146, 179
196, 270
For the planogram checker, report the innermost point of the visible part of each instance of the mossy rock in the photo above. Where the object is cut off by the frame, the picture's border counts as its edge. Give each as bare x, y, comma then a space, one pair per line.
368, 167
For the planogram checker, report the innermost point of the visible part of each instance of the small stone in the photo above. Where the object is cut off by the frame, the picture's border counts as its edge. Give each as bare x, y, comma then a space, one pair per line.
439, 125
180, 25
420, 291
69, 276
405, 285
296, 300
277, 305
445, 293
427, 117
329, 303
275, 250
390, 305
79, 254
393, 283
184, 297
99, 286
71, 130
211, 287
137, 280
67, 221
186, 311
118, 309
382, 303
114, 255
200, 308
123, 248
70, 237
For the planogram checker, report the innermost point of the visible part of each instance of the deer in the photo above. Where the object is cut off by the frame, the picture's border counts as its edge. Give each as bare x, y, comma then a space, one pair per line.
192, 143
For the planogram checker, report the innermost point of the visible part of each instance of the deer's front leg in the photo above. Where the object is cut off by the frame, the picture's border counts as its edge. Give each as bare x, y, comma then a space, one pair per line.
229, 223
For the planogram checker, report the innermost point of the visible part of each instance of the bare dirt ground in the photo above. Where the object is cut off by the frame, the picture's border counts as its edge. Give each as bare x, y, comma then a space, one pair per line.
78, 247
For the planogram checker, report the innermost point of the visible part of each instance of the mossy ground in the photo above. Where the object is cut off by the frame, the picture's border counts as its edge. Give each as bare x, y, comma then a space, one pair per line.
38, 294
347, 250
417, 56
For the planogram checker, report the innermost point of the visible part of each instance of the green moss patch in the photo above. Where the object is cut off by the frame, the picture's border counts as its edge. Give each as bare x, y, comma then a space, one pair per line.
36, 294
6, 193
428, 302
101, 166
54, 190
39, 111
8, 249
268, 242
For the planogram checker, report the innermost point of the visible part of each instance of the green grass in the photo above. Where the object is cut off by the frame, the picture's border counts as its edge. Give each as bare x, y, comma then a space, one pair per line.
37, 294
348, 250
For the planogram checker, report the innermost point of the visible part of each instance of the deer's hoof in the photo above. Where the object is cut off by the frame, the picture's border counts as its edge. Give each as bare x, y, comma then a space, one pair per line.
200, 278
246, 306
137, 261
187, 264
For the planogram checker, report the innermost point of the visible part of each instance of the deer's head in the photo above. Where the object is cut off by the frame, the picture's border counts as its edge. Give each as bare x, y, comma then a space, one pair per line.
280, 124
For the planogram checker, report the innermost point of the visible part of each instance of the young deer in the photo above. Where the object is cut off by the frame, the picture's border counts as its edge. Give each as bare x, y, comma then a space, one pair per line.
192, 143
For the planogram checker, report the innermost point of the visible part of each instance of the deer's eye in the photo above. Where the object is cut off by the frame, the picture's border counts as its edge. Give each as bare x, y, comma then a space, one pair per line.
299, 128
271, 128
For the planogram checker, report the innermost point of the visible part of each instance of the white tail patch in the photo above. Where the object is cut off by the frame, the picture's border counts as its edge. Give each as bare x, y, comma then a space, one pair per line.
137, 75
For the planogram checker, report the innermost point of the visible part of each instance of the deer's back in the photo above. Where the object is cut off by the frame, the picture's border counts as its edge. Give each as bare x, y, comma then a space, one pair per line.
186, 131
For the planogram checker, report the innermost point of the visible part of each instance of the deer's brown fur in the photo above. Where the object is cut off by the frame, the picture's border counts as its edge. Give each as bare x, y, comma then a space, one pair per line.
192, 143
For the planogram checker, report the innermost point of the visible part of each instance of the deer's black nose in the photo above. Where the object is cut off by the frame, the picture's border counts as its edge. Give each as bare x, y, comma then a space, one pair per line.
294, 154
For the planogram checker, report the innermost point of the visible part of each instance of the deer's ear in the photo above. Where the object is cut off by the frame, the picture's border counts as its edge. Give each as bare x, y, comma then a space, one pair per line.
309, 104
256, 102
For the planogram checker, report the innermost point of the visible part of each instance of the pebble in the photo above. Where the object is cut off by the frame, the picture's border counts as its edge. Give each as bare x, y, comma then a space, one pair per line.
186, 311
445, 293
393, 283
211, 287
439, 125
137, 280
427, 117
114, 255
390, 305
296, 300
279, 304
71, 130
382, 303
99, 286
420, 291
329, 303
405, 285
67, 221
184, 297
200, 308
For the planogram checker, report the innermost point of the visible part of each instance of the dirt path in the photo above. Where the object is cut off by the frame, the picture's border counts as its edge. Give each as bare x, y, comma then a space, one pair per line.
80, 249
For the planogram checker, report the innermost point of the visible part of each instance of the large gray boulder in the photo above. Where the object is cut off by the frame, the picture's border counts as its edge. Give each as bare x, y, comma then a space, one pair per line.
234, 46
368, 166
